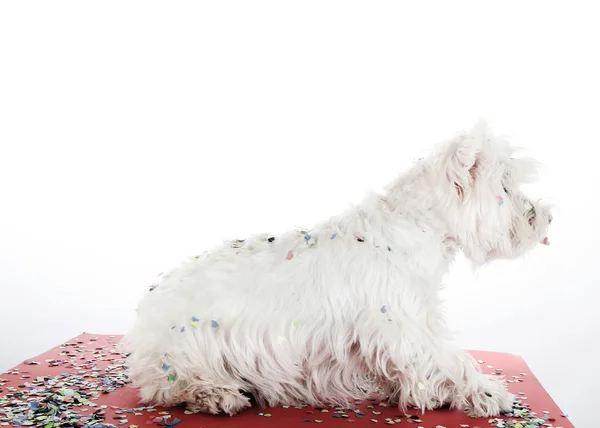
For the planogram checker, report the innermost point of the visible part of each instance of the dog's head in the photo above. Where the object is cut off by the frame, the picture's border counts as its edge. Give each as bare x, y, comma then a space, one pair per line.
484, 205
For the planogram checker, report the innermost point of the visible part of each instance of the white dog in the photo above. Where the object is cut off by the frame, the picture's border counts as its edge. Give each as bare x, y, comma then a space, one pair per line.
348, 307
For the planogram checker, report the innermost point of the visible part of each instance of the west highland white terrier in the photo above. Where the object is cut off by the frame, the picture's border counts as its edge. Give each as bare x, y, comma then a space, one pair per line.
347, 308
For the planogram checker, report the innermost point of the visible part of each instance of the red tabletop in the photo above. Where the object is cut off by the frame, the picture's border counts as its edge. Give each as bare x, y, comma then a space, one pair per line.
83, 381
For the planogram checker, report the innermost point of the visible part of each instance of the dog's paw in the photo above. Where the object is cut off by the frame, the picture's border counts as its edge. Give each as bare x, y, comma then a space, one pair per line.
216, 401
490, 398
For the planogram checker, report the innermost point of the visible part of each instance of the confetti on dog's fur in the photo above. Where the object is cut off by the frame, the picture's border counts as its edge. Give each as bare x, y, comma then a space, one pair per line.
238, 243
290, 254
333, 236
310, 240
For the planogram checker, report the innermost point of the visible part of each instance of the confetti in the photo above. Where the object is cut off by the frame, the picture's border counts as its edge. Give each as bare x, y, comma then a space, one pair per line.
171, 378
310, 241
359, 239
194, 319
290, 254
333, 236
165, 367
383, 309
182, 329
214, 324
500, 200
296, 323
238, 243
53, 401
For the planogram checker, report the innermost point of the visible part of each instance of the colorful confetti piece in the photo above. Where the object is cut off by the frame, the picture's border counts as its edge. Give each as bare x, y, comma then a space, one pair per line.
310, 241
214, 324
173, 422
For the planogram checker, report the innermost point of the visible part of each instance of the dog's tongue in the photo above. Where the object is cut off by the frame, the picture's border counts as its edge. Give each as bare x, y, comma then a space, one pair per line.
545, 241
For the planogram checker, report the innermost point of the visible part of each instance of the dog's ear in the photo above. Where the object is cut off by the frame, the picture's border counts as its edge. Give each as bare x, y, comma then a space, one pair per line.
462, 159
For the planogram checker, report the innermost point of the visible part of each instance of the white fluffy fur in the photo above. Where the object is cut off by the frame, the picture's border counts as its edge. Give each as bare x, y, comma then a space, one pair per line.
342, 318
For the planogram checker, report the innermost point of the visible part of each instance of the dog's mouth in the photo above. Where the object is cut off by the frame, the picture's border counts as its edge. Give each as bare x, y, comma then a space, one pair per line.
531, 219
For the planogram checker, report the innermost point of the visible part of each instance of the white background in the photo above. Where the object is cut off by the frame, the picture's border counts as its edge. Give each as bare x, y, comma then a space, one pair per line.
134, 134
